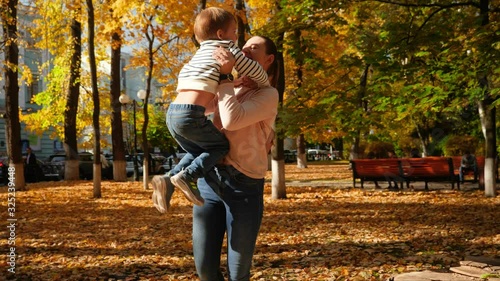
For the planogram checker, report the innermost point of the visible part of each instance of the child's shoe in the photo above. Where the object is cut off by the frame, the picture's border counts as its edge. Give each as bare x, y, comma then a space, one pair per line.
162, 193
188, 186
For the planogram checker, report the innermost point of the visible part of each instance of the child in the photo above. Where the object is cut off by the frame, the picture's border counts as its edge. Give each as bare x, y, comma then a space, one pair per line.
198, 81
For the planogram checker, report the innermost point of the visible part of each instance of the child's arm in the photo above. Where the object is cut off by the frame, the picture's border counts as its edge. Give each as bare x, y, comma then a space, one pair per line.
248, 67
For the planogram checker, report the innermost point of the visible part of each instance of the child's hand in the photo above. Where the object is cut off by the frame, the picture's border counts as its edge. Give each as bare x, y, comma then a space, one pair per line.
225, 58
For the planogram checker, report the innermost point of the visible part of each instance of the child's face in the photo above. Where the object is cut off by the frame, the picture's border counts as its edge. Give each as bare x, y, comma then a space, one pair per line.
230, 33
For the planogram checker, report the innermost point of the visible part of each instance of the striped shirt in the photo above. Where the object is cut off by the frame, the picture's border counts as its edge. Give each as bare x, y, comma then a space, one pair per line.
203, 71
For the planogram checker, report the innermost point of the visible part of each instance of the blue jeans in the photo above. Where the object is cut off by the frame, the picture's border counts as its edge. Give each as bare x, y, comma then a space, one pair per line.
463, 169
204, 144
238, 212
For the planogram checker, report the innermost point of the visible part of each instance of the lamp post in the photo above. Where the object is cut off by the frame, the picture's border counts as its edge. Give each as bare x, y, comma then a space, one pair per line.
125, 99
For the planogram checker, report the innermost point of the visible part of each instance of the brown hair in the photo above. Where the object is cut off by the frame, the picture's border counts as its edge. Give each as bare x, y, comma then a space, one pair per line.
274, 69
209, 21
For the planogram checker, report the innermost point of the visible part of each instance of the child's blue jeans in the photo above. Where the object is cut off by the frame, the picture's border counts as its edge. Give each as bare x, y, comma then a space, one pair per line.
204, 144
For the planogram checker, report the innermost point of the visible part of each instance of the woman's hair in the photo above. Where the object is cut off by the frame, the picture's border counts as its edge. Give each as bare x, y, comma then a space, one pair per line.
274, 69
209, 21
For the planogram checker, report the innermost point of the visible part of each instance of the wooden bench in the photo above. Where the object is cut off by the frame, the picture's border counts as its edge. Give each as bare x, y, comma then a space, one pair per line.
480, 168
429, 169
376, 170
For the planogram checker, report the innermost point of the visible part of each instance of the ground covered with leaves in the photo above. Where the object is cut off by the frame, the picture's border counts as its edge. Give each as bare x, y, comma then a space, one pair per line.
317, 233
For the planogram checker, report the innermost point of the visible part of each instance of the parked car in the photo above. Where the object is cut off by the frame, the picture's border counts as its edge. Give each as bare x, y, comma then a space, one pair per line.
49, 172
54, 167
159, 164
4, 175
130, 165
85, 166
290, 156
318, 154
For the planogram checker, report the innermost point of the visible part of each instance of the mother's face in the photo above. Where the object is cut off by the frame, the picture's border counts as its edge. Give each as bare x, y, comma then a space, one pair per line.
255, 49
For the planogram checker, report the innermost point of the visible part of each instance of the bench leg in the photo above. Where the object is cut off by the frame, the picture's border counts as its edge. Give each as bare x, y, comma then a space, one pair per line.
426, 186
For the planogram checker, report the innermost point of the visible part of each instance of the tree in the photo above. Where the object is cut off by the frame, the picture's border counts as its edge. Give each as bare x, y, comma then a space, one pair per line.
10, 65
118, 146
71, 171
95, 96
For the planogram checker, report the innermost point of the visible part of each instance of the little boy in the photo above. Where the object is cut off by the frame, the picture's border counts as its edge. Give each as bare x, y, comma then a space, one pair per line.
198, 81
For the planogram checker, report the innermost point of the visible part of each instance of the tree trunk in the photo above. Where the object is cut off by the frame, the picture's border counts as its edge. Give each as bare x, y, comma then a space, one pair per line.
145, 143
487, 113
119, 163
278, 185
97, 107
363, 104
13, 126
354, 152
71, 171
301, 152
241, 21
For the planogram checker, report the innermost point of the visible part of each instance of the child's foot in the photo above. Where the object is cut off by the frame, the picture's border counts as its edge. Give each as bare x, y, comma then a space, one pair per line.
162, 193
188, 187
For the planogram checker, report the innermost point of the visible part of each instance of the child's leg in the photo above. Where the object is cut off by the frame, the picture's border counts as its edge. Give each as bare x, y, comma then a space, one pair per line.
202, 141
197, 136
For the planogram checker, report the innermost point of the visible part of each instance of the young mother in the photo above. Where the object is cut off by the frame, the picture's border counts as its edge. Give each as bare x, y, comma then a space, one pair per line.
233, 191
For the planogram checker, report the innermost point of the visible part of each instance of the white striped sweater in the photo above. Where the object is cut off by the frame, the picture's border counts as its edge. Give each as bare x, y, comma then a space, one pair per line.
202, 72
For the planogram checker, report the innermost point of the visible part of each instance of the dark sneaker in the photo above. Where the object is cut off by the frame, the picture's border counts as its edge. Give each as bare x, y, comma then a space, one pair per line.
188, 187
162, 193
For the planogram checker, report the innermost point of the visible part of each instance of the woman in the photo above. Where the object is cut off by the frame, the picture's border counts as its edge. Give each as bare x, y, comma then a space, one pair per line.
233, 192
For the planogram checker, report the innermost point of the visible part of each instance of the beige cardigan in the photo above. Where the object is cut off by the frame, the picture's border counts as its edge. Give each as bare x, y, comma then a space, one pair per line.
246, 117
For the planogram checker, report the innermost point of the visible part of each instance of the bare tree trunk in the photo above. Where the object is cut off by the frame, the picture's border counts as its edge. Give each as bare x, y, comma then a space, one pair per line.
301, 152
145, 143
71, 171
97, 107
119, 163
278, 184
242, 21
487, 113
354, 152
13, 126
363, 104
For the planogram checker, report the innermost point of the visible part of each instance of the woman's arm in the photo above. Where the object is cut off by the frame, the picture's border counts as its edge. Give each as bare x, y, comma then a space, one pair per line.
237, 112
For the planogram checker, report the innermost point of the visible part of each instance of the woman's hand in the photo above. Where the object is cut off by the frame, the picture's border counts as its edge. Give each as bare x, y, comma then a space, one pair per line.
225, 58
246, 82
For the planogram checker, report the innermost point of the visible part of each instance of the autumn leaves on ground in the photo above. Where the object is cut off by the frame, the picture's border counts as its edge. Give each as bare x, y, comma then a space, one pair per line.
317, 233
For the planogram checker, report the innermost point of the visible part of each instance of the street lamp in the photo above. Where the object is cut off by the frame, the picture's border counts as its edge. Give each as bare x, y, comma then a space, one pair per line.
125, 99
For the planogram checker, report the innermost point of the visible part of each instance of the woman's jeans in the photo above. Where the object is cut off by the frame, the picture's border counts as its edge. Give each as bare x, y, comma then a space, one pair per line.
204, 143
238, 211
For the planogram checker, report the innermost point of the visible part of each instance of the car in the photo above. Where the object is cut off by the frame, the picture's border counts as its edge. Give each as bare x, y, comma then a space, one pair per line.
4, 174
130, 165
50, 171
290, 156
54, 167
159, 164
318, 154
85, 165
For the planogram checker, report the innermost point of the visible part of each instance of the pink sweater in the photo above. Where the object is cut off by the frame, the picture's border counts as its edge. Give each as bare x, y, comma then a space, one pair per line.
246, 117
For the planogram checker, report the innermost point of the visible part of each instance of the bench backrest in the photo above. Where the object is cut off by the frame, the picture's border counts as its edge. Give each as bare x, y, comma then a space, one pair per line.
370, 167
427, 166
458, 159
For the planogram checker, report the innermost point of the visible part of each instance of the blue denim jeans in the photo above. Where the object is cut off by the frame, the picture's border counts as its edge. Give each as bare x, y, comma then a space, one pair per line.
462, 169
204, 144
238, 212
